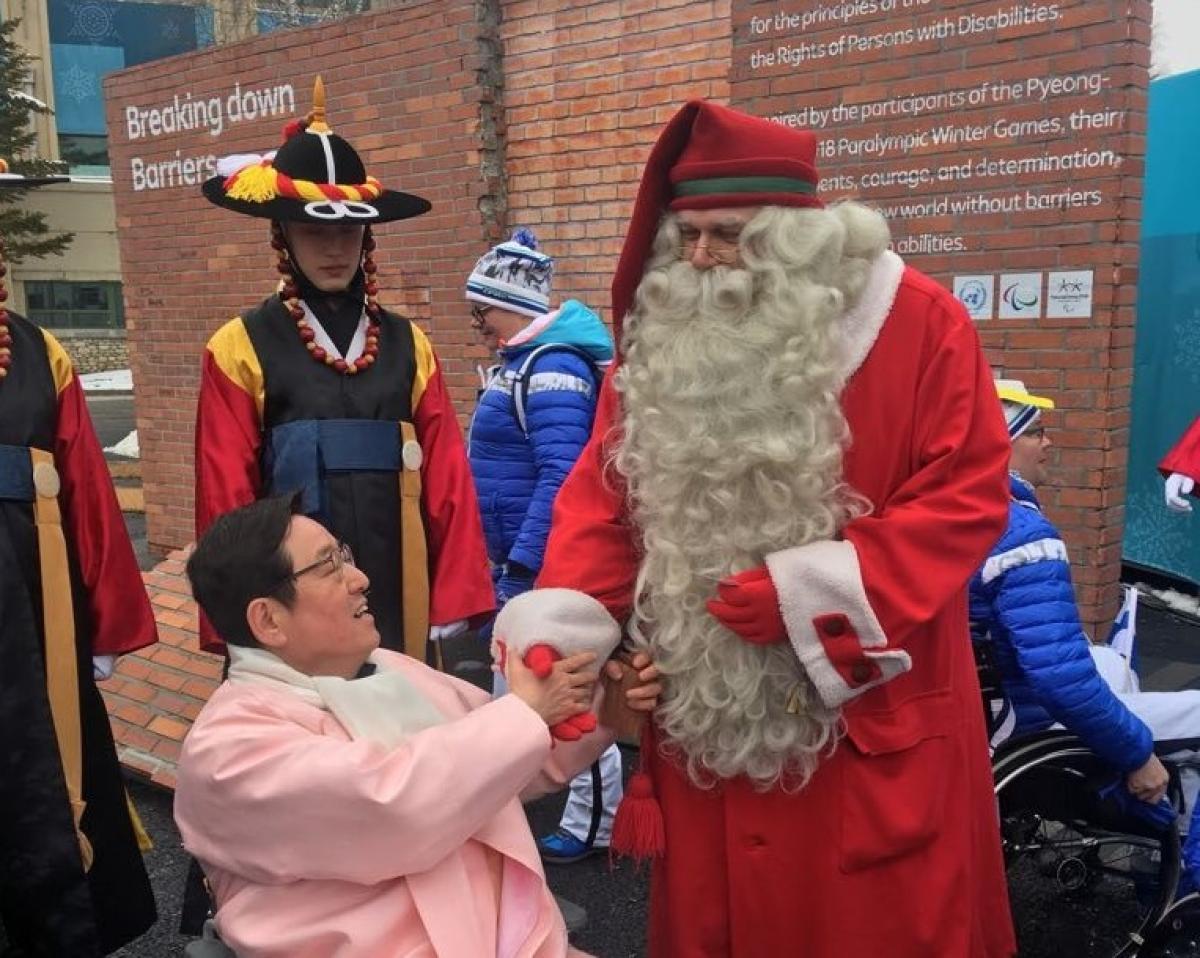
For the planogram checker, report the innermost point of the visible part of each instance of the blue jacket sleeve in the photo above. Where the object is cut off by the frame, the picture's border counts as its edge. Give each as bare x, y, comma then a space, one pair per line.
1035, 603
559, 412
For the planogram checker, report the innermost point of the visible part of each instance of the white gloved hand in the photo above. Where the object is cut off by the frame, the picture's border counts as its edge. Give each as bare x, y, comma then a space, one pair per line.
102, 667
447, 631
1176, 487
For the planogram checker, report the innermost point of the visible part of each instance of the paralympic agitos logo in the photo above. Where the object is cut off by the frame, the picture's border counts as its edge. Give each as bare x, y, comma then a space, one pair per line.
1020, 297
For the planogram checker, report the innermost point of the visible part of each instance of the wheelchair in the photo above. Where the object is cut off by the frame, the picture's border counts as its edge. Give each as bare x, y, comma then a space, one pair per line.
1086, 879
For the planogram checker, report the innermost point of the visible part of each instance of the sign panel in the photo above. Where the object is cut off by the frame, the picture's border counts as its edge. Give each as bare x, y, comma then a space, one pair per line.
969, 124
977, 294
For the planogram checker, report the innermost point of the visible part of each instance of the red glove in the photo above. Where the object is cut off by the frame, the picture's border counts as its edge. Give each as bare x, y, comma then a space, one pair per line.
748, 604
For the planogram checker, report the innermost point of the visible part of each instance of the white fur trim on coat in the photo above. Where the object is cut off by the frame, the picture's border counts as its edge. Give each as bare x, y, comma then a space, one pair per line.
861, 324
824, 579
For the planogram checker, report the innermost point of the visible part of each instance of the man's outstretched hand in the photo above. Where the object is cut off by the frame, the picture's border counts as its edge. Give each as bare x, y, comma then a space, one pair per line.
566, 691
642, 697
748, 604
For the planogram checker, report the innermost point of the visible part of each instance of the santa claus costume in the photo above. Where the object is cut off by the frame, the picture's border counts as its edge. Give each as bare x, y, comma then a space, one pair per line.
1180, 468
796, 466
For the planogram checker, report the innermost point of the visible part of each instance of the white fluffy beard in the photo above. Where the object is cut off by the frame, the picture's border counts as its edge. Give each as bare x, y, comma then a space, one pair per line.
732, 449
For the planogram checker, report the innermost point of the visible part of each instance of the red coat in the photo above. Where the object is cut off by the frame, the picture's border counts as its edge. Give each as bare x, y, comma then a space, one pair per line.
1184, 456
892, 848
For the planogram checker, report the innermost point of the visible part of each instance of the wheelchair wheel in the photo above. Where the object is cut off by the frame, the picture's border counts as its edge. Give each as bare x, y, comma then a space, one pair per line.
1083, 881
1178, 933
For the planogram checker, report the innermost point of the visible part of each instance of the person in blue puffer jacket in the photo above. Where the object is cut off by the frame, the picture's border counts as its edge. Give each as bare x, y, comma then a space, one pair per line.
1023, 606
533, 419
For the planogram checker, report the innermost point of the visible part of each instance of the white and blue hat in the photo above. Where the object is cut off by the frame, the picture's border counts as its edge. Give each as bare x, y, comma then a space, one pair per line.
514, 276
1021, 408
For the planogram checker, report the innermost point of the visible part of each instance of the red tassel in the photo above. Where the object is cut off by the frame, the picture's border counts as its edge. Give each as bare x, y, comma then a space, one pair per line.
638, 830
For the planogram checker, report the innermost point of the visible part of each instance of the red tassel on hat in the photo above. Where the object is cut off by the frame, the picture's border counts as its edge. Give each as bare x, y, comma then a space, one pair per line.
638, 831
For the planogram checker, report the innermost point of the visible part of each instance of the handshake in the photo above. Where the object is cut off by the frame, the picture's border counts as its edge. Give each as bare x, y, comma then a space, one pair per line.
547, 644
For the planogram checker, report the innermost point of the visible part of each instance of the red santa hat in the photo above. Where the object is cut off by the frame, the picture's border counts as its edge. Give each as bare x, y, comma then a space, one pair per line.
711, 157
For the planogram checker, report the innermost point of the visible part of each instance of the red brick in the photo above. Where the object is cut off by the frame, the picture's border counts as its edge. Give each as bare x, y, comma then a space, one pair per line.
168, 728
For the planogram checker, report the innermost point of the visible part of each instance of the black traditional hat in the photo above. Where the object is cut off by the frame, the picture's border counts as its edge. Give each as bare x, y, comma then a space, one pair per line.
15, 181
314, 177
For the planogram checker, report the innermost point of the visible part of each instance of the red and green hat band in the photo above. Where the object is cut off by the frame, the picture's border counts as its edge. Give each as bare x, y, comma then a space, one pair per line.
718, 191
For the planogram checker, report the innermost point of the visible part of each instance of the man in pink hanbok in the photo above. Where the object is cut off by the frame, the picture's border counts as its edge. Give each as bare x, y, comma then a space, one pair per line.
344, 800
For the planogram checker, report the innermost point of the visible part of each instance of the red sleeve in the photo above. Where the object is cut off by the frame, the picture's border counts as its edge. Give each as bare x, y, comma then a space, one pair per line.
851, 605
228, 437
930, 536
1184, 456
460, 583
122, 619
592, 547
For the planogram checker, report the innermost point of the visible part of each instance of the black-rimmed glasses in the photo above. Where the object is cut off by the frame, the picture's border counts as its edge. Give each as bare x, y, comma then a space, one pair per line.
338, 559
479, 315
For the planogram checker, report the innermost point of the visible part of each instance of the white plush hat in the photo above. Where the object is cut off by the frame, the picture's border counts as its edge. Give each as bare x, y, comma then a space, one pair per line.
566, 620
1021, 408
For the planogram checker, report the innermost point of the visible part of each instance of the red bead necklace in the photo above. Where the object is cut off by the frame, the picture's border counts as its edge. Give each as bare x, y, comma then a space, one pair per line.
291, 299
5, 333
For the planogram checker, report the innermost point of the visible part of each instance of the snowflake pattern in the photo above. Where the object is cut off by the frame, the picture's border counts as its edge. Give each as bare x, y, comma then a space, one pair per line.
1154, 535
1185, 343
170, 30
93, 21
77, 84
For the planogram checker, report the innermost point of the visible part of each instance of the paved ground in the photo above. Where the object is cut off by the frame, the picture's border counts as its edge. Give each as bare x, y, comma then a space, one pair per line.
112, 415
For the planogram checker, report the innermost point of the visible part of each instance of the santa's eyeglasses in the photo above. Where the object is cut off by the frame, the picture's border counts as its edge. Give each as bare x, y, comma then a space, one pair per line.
721, 247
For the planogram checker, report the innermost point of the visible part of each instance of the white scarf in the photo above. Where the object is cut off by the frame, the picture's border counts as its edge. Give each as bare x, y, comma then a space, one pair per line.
385, 707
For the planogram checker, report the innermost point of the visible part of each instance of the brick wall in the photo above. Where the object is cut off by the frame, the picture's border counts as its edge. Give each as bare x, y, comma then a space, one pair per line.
1019, 82
587, 86
408, 87
540, 113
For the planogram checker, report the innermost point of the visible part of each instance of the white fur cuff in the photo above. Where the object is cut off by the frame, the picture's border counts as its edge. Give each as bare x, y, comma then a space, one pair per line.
830, 623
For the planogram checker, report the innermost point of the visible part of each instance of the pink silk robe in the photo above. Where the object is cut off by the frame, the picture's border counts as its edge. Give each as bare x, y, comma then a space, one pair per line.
317, 846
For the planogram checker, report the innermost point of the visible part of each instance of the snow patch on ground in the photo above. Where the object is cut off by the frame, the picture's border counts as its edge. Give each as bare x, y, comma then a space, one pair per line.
127, 447
1173, 599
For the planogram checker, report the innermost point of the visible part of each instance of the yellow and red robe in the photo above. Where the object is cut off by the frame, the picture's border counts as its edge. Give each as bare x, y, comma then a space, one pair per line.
69, 589
259, 383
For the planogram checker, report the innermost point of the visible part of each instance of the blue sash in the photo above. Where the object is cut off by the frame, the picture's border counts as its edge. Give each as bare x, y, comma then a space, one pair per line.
298, 455
16, 474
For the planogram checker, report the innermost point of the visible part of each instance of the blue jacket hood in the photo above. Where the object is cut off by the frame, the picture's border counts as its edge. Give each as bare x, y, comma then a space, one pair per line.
575, 324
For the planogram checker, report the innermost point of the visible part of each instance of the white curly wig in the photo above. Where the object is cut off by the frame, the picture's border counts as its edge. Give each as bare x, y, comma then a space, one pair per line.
732, 448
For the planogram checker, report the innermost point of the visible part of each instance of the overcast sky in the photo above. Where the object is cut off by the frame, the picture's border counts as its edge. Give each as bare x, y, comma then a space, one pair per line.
1177, 29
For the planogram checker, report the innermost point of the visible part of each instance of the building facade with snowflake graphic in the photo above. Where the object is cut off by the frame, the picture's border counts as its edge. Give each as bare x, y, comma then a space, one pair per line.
76, 43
